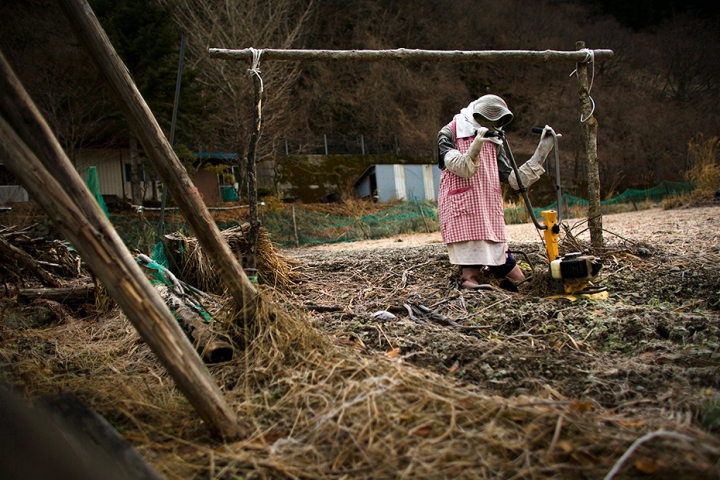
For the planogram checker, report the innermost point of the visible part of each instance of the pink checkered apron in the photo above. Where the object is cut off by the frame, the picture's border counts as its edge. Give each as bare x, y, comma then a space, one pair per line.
472, 208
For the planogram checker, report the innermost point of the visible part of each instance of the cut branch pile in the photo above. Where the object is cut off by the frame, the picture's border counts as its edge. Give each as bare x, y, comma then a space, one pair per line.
25, 254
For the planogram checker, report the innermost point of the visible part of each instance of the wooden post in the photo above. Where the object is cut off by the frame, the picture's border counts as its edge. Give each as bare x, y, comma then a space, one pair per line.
78, 216
590, 127
254, 231
173, 173
422, 213
297, 239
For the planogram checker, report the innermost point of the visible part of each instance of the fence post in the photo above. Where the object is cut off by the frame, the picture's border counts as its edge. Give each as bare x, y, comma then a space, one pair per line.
590, 127
297, 239
325, 140
362, 144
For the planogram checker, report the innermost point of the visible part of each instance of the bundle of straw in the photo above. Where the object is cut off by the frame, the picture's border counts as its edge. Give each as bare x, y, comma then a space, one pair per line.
273, 269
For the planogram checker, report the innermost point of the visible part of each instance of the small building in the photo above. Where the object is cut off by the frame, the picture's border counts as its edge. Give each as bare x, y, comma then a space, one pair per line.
386, 183
113, 167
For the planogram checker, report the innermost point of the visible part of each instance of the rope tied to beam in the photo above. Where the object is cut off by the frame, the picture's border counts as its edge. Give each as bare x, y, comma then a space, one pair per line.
589, 58
255, 68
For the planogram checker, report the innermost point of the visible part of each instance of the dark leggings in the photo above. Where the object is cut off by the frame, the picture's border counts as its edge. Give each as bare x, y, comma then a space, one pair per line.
500, 271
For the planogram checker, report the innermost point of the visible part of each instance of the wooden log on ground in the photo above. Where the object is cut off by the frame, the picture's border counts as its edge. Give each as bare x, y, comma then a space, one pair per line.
161, 155
78, 216
66, 295
212, 346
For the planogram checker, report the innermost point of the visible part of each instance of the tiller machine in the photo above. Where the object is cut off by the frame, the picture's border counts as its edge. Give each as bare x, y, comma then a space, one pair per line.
571, 273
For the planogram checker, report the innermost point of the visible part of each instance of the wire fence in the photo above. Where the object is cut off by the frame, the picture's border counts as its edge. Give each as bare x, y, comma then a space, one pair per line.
353, 145
295, 225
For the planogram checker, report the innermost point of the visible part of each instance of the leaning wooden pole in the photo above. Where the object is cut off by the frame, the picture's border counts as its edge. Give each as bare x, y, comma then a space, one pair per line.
590, 128
80, 220
164, 160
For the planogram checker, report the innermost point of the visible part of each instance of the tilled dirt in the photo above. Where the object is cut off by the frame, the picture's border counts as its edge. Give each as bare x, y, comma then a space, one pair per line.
650, 348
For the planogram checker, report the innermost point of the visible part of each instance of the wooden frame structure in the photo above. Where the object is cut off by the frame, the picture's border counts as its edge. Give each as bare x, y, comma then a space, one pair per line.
582, 57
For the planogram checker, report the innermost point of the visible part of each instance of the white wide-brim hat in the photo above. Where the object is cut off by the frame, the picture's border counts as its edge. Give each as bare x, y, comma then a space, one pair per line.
493, 108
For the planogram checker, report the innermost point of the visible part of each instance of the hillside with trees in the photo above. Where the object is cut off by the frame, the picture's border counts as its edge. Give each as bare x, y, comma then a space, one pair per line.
658, 93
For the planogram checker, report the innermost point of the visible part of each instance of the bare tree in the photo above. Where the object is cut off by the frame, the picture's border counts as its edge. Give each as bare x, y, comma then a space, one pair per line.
77, 111
688, 64
239, 24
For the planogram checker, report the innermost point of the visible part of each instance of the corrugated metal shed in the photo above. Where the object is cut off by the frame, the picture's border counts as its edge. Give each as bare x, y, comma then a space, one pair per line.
398, 182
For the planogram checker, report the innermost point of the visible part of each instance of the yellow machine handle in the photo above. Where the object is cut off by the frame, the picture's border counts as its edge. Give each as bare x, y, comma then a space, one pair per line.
551, 234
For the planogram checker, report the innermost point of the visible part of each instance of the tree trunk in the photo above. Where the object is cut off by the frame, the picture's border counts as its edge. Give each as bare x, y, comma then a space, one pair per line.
135, 190
590, 127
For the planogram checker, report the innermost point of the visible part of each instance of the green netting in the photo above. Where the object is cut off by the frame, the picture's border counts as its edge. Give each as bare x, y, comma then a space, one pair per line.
630, 196
93, 183
229, 194
315, 228
658, 192
158, 255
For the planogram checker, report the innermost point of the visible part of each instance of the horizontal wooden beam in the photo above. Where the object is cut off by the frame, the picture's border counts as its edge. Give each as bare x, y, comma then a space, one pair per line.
410, 55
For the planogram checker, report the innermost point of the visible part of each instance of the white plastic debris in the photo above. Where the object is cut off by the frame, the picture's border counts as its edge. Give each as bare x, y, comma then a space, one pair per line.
382, 315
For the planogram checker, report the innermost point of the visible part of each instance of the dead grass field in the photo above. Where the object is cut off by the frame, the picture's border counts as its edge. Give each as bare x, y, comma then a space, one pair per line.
457, 384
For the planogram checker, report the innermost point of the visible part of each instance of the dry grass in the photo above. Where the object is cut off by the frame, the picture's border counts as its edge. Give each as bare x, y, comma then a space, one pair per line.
323, 406
273, 269
703, 171
351, 207
704, 163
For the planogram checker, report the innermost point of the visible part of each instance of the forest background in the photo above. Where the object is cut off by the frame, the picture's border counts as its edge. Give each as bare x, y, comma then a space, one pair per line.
658, 95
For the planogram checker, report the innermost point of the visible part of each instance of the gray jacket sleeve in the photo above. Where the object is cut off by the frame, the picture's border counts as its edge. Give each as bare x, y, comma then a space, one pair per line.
503, 163
446, 142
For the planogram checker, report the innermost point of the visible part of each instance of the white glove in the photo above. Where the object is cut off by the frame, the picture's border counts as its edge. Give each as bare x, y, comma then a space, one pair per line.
531, 170
465, 165
546, 143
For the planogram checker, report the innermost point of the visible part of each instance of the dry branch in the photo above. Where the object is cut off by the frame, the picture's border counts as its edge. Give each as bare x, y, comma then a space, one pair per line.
11, 252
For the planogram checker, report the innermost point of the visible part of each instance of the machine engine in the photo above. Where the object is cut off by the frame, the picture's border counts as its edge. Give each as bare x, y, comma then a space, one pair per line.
573, 271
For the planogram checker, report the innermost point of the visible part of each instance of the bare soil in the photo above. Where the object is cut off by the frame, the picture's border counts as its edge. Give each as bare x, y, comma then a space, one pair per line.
651, 348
